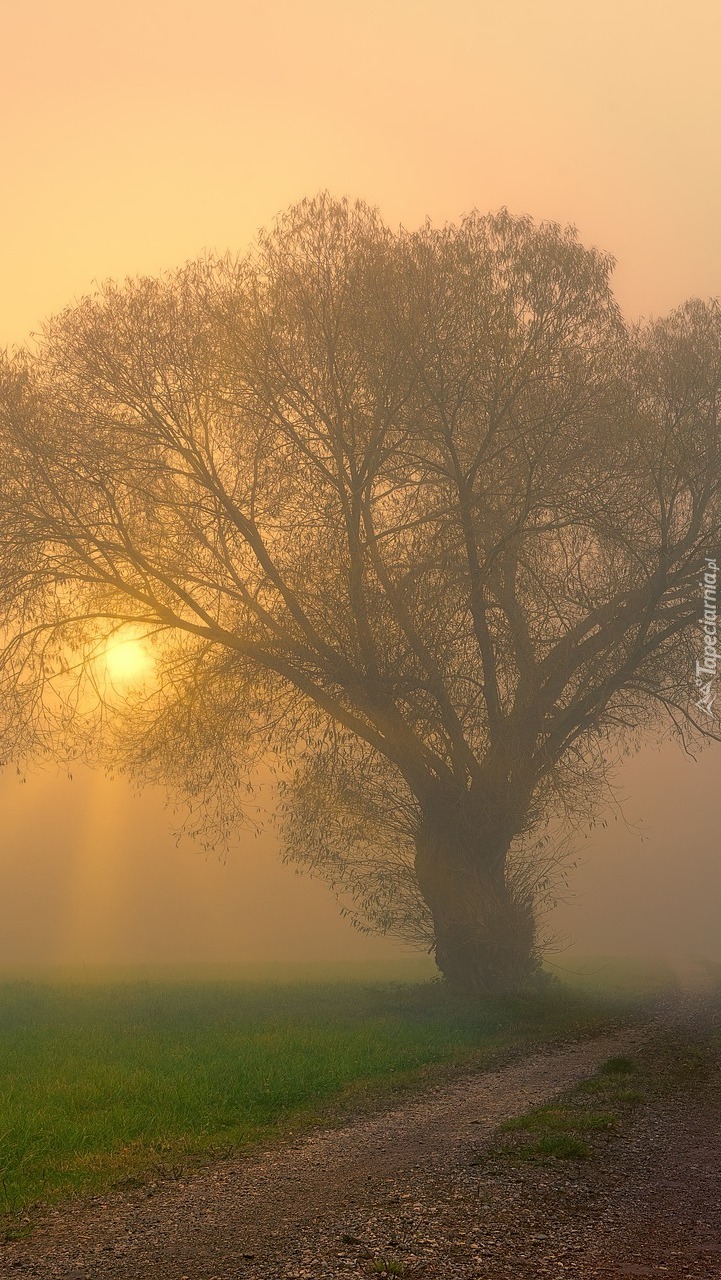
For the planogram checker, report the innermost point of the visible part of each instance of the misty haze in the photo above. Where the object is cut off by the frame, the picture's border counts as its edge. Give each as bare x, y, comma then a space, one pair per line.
360, 521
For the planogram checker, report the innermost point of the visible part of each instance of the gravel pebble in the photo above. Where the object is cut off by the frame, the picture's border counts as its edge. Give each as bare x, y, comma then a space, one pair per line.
413, 1192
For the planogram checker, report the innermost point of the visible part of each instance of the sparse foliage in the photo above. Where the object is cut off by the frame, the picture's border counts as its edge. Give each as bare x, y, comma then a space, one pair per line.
415, 515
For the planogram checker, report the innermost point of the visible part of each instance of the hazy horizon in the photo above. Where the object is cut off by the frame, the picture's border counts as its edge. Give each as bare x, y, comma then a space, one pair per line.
138, 141
110, 886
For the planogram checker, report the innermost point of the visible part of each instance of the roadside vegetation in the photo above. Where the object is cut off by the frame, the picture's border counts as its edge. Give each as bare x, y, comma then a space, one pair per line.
581, 1122
102, 1083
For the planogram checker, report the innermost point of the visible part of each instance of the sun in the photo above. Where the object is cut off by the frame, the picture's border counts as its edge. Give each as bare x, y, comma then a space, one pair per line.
127, 660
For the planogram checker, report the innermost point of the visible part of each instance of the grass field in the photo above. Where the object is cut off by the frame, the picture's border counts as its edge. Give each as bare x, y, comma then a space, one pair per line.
105, 1082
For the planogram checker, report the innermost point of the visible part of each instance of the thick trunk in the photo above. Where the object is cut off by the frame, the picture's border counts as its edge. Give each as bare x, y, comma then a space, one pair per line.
484, 936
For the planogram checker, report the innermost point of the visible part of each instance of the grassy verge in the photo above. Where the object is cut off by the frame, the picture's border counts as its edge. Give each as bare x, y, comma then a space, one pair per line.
104, 1083
580, 1123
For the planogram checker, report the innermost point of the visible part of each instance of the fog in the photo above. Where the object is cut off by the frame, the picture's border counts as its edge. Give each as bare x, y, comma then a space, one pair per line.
142, 135
93, 877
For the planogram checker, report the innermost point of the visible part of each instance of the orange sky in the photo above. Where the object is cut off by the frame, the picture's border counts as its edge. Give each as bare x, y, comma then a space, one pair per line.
138, 134
91, 876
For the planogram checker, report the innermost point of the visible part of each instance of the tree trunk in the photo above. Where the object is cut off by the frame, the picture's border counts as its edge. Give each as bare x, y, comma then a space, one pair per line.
484, 936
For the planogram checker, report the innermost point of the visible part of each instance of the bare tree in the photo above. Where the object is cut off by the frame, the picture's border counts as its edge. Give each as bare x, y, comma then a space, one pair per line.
415, 514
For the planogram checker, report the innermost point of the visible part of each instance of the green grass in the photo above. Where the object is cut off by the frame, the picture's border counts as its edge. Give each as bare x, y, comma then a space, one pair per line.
559, 1131
574, 1126
561, 1146
387, 1267
102, 1083
544, 1119
629, 977
619, 1066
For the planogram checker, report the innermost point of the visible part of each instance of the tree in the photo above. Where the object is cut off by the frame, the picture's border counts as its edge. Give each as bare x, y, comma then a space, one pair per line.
416, 514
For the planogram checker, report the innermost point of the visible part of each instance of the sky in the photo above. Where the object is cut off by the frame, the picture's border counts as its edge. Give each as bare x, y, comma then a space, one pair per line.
138, 135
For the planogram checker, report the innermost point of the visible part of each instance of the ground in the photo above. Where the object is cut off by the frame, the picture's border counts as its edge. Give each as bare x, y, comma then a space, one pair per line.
427, 1189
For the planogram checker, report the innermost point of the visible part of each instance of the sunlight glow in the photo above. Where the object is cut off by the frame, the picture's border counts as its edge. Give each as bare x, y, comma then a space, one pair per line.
127, 660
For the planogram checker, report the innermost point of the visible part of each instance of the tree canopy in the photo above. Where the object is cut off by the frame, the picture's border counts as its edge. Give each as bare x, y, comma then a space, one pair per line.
416, 514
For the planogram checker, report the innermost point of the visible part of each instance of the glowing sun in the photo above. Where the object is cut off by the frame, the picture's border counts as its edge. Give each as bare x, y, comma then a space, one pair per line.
127, 660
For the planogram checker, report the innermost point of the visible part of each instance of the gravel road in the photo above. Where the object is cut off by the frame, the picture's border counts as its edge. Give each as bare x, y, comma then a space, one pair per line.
409, 1192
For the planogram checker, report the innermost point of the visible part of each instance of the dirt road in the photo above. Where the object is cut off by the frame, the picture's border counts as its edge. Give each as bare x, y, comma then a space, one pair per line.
408, 1192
